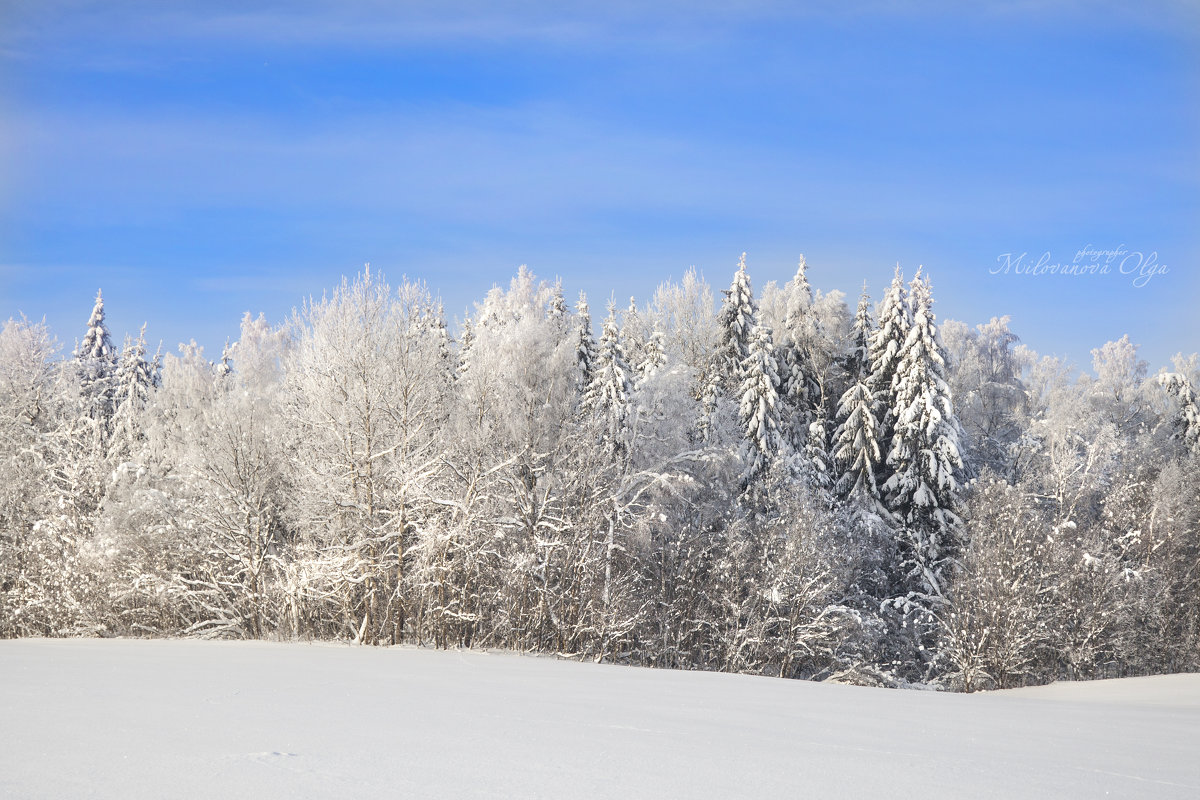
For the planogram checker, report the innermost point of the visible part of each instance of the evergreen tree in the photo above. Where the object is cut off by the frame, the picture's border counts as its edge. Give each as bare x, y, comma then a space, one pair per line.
607, 396
97, 363
856, 439
654, 356
858, 362
1187, 418
435, 324
585, 348
758, 410
335, 482
797, 370
856, 446
633, 335
558, 311
816, 450
736, 328
156, 366
134, 381
922, 492
225, 365
710, 392
465, 345
887, 340
800, 297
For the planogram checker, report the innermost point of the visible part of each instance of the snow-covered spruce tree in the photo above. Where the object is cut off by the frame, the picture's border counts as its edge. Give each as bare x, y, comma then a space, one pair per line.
224, 367
66, 598
758, 408
135, 382
435, 322
736, 325
634, 334
857, 363
557, 313
816, 451
96, 357
855, 441
607, 397
465, 342
800, 337
922, 492
887, 341
1186, 420
856, 448
654, 357
585, 348
710, 397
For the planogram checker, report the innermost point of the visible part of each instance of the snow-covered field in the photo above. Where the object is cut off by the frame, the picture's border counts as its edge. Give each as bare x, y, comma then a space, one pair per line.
151, 719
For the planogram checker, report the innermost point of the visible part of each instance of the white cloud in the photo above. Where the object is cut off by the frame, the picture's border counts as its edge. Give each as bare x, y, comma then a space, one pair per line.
592, 24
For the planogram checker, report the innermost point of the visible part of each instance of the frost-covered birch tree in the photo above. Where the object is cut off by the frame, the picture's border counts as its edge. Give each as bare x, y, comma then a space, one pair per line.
365, 394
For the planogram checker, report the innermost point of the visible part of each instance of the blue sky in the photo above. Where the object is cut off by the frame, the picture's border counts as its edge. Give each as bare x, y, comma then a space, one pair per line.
197, 160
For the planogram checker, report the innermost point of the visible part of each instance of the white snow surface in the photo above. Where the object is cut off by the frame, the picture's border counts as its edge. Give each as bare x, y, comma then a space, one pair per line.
179, 719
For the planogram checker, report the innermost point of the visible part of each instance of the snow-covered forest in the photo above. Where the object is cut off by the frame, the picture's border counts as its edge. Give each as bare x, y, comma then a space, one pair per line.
775, 482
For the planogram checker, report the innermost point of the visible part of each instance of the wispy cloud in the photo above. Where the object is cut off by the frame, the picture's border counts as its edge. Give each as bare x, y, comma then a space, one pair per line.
589, 24
523, 168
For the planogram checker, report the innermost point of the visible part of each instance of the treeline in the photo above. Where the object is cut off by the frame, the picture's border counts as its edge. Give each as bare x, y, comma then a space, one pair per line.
783, 486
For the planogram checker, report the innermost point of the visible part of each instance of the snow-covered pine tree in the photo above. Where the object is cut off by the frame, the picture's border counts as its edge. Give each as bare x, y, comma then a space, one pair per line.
800, 384
134, 385
735, 330
607, 396
558, 313
710, 392
439, 332
633, 334
585, 349
856, 440
654, 356
1187, 418
800, 292
858, 361
156, 365
816, 450
758, 410
465, 344
922, 492
856, 447
225, 365
97, 364
887, 340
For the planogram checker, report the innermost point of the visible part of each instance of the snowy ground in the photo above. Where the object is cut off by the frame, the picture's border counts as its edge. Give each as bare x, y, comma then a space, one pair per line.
151, 719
